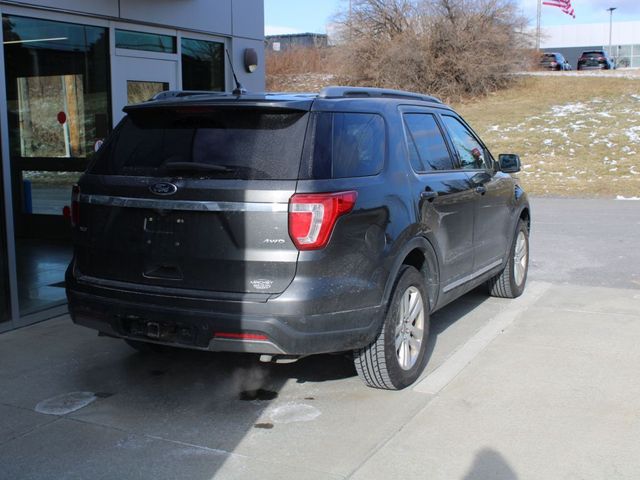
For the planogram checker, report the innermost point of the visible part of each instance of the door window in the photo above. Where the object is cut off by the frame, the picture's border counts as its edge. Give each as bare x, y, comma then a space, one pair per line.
427, 147
140, 91
57, 99
471, 153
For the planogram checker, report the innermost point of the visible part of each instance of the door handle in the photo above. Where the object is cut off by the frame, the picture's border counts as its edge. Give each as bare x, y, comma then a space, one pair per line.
428, 195
481, 189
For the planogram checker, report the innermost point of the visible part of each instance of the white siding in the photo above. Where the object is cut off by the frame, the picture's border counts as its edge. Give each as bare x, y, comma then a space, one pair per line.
623, 33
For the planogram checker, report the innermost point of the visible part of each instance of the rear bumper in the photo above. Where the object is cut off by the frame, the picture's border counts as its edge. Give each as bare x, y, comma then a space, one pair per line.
601, 66
188, 323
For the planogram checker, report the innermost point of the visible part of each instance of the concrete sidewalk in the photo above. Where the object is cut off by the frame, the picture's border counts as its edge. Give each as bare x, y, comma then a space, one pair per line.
556, 396
542, 387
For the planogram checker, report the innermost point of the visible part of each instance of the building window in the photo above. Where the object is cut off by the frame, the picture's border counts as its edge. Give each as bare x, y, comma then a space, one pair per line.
149, 42
57, 78
202, 65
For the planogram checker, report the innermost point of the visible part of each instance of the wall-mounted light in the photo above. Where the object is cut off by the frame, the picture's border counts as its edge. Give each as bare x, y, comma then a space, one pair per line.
250, 60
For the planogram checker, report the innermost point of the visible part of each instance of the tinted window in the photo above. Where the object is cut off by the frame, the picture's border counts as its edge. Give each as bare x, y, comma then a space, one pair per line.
221, 143
149, 42
358, 145
427, 147
343, 145
202, 65
470, 151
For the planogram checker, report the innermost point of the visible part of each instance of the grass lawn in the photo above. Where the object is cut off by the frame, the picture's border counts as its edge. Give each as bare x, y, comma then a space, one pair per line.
576, 135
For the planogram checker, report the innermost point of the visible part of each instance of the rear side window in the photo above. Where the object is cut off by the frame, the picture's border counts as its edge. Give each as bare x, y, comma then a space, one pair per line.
427, 147
343, 145
210, 143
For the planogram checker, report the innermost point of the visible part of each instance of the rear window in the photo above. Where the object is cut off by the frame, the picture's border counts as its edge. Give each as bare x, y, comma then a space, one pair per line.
344, 145
219, 143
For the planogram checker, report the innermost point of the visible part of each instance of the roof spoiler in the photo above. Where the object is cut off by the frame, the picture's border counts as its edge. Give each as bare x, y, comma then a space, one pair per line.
182, 93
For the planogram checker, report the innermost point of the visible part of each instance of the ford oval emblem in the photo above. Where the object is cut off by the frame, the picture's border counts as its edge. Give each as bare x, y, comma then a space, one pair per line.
163, 188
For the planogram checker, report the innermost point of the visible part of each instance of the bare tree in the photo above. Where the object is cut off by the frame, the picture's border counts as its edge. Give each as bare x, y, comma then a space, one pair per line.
447, 47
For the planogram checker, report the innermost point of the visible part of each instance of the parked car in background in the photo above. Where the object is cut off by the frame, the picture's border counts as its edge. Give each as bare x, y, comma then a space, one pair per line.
595, 60
291, 225
554, 61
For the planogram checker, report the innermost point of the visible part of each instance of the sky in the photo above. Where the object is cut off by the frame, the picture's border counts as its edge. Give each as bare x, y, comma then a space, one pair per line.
300, 16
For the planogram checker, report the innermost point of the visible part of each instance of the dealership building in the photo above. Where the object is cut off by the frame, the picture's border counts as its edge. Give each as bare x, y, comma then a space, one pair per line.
572, 40
69, 67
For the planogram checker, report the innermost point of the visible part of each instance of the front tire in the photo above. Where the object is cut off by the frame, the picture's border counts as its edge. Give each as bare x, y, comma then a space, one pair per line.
397, 357
511, 281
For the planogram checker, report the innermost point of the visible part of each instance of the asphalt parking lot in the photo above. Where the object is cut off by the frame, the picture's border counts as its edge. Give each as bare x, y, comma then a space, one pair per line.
545, 386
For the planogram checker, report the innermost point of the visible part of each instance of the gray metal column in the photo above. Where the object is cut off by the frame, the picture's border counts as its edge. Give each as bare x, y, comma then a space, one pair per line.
14, 311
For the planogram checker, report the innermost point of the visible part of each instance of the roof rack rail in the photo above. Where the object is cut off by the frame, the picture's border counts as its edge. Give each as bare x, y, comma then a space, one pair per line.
182, 93
355, 92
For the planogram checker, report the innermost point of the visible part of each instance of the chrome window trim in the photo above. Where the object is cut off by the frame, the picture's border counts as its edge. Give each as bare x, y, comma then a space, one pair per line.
184, 205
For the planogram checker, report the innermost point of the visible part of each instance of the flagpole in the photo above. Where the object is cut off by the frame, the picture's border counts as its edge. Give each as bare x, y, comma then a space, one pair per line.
538, 25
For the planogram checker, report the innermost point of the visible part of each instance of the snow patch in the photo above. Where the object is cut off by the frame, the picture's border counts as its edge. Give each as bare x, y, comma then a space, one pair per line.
620, 197
65, 403
633, 133
568, 109
294, 412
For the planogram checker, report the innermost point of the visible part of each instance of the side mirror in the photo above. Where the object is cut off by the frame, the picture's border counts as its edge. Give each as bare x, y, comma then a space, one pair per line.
509, 162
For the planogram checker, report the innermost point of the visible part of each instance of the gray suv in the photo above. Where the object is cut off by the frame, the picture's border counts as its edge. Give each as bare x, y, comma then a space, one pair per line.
293, 224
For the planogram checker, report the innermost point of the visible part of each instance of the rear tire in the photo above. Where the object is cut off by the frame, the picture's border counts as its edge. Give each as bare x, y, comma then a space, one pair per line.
511, 281
396, 358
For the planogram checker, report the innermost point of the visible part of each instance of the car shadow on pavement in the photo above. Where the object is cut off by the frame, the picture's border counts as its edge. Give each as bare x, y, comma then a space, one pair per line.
217, 402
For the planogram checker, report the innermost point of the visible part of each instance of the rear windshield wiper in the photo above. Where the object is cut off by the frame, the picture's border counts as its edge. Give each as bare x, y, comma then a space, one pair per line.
197, 167
210, 167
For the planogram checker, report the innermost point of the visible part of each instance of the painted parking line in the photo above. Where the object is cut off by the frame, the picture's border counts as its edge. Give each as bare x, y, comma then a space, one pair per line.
445, 373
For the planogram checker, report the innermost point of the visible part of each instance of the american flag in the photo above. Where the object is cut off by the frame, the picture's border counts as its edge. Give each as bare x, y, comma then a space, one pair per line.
564, 5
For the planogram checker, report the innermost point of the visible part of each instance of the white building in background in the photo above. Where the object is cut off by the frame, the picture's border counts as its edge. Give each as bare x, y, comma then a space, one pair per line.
572, 40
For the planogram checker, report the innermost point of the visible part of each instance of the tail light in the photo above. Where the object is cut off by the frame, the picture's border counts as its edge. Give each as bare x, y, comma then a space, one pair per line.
554, 64
75, 205
312, 217
601, 59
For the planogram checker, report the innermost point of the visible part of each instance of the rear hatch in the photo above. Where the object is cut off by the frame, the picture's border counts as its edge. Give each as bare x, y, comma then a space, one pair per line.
548, 61
593, 59
193, 198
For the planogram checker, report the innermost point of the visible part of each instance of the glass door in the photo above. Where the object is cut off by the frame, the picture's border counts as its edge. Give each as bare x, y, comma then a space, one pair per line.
58, 107
139, 79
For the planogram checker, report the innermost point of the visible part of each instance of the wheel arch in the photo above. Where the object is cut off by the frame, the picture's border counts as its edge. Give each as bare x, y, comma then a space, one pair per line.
525, 216
420, 254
